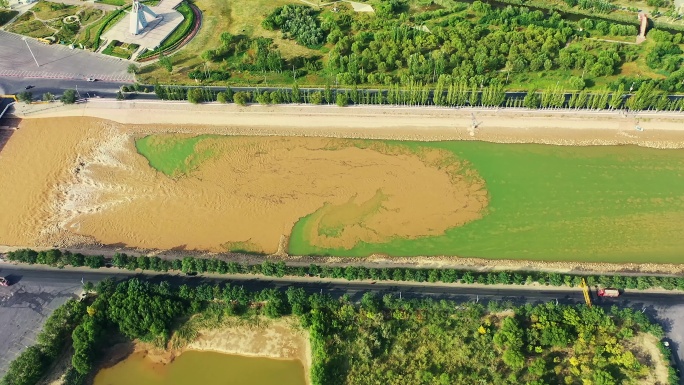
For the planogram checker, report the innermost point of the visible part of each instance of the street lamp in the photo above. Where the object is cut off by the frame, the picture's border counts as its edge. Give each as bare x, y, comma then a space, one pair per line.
29, 48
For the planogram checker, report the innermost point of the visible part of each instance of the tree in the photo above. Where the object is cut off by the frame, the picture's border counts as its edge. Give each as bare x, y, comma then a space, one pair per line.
221, 97
25, 96
132, 69
88, 287
342, 100
120, 95
602, 377
298, 300
165, 62
316, 98
276, 305
577, 83
48, 97
195, 96
26, 369
241, 98
531, 100
69, 97
514, 359
139, 312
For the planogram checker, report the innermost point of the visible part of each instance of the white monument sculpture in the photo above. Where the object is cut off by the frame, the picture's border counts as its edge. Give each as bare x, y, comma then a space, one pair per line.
138, 17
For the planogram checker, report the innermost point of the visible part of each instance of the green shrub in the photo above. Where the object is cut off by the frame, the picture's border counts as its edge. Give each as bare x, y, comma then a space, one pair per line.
342, 100
195, 96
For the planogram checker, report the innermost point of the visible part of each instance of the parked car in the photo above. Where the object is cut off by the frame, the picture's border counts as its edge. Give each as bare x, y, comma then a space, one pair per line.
28, 87
4, 281
91, 79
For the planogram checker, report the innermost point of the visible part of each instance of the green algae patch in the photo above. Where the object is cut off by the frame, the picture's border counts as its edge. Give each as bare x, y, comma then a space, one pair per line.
175, 155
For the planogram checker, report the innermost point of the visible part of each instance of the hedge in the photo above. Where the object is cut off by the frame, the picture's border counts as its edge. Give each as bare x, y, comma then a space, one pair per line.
114, 15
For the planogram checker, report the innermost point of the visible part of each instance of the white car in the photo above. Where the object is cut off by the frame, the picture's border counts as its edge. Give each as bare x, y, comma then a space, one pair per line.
4, 281
91, 79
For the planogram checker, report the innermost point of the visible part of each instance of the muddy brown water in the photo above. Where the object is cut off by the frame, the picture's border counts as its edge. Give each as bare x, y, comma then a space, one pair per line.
94, 187
206, 368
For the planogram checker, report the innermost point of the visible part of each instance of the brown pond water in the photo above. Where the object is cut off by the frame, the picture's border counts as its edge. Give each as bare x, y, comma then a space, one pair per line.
206, 368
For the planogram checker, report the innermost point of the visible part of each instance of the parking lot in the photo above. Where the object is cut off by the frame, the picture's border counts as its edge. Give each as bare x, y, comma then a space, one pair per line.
24, 306
56, 61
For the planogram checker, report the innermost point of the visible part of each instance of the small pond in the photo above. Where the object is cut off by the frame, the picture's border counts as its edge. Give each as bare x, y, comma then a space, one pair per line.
205, 368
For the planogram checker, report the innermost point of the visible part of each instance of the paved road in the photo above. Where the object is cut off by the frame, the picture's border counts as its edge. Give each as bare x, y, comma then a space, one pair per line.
56, 61
37, 290
14, 85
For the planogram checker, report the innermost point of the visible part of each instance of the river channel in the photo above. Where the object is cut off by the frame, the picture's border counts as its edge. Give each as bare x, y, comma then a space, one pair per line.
206, 368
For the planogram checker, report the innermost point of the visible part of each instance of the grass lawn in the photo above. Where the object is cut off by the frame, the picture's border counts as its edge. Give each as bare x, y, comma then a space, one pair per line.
118, 3
119, 49
32, 28
46, 10
218, 16
608, 204
90, 15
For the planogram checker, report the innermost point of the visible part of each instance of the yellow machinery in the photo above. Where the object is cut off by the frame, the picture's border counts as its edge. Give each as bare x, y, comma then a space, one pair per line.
9, 96
45, 41
585, 290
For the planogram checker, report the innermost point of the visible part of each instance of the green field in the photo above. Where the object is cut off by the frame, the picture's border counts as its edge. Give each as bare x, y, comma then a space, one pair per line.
608, 204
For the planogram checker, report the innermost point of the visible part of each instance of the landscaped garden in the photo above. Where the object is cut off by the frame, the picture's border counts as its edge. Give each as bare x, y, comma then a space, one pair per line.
64, 23
574, 46
120, 49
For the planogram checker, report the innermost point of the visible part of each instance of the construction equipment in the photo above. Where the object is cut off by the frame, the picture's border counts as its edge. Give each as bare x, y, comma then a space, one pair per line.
608, 292
585, 290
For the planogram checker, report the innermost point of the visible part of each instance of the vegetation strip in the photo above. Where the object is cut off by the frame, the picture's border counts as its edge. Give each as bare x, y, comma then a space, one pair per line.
646, 98
192, 265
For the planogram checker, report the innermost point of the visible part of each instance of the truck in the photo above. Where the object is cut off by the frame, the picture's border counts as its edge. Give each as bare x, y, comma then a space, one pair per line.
608, 292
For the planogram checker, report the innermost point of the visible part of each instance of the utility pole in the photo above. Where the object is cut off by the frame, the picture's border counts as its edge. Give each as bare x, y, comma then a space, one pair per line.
29, 48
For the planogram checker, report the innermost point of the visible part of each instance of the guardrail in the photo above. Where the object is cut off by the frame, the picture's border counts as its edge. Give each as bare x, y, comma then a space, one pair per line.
5, 109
